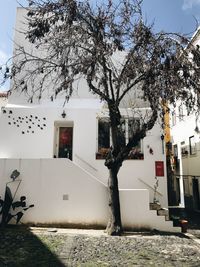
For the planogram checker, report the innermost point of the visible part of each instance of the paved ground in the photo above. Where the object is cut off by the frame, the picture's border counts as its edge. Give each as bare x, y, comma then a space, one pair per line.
88, 248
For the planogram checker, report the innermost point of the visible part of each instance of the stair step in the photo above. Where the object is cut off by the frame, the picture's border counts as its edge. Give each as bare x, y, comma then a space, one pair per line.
163, 212
155, 206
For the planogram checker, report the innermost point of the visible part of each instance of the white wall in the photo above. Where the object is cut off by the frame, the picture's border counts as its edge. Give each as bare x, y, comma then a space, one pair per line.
80, 88
83, 111
40, 144
181, 132
46, 181
135, 210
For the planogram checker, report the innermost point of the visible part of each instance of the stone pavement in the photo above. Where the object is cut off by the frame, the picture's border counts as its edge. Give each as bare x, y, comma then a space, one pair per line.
89, 248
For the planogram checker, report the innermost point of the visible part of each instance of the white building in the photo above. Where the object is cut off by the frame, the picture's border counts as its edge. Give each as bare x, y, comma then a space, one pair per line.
186, 157
59, 153
185, 134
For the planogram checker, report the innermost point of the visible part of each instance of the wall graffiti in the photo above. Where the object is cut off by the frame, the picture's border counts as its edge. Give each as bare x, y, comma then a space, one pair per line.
9, 207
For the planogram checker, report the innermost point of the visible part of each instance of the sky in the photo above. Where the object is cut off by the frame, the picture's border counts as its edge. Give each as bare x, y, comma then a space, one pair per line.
168, 15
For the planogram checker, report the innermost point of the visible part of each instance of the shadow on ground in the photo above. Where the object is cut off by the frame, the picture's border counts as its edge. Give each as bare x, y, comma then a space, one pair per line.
20, 247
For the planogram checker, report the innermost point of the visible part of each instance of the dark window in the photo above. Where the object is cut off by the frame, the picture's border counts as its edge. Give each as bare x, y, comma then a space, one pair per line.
123, 132
184, 149
128, 126
136, 151
192, 145
175, 150
174, 118
180, 111
103, 138
133, 126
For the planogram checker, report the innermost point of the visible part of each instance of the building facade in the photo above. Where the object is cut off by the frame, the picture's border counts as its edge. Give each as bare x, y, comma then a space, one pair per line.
185, 131
60, 152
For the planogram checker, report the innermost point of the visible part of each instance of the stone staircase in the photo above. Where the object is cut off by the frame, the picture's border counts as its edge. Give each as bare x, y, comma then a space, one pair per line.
161, 212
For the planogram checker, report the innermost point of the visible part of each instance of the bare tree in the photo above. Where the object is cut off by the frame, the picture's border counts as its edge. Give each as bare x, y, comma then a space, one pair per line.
84, 40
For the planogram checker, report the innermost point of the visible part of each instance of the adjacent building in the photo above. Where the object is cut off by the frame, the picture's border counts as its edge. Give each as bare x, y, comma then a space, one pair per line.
185, 132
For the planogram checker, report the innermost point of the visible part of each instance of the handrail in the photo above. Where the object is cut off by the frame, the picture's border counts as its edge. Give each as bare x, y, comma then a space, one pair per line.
185, 176
86, 162
157, 192
91, 175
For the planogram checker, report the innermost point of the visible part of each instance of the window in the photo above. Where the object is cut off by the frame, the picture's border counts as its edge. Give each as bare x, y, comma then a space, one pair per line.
180, 111
127, 127
186, 186
175, 162
136, 152
133, 125
192, 145
123, 129
184, 149
103, 138
189, 110
175, 149
174, 118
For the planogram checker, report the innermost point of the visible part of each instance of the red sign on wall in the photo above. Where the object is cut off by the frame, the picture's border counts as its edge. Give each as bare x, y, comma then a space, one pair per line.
159, 168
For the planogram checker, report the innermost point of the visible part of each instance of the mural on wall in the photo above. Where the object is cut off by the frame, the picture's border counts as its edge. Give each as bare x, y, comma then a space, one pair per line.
9, 207
28, 124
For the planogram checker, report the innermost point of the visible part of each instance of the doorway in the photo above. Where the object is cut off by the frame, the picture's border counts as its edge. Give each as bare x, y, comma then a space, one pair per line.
64, 141
196, 198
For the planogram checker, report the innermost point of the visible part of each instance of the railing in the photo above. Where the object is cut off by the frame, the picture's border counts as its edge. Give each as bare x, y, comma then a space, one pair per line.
84, 161
149, 186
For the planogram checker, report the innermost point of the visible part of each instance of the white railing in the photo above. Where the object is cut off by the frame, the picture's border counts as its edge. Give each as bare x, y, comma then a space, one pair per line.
84, 161
149, 186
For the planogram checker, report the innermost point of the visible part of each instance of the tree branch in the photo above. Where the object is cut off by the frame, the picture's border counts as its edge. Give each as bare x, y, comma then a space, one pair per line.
136, 81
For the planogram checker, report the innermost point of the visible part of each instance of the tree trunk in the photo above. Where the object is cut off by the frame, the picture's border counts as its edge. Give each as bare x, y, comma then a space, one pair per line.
114, 226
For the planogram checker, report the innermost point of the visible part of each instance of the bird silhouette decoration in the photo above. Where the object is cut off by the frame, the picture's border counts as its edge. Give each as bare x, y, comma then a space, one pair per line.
25, 122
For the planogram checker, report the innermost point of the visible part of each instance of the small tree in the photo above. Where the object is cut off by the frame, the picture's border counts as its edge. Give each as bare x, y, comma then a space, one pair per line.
84, 40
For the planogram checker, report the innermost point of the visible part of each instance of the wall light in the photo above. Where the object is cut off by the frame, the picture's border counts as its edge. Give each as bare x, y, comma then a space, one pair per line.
63, 114
14, 174
162, 140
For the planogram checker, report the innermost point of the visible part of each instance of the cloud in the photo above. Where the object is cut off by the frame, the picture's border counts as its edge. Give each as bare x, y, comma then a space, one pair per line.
188, 4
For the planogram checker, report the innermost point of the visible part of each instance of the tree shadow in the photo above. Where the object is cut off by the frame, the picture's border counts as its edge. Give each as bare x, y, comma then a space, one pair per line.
20, 247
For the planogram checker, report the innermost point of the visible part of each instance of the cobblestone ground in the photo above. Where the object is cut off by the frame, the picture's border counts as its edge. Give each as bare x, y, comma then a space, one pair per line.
25, 249
196, 233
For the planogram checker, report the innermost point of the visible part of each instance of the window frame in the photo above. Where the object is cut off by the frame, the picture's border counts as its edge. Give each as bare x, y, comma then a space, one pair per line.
192, 147
181, 113
184, 149
173, 118
135, 153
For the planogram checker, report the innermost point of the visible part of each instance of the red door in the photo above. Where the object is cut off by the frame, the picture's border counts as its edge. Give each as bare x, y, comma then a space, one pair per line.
65, 142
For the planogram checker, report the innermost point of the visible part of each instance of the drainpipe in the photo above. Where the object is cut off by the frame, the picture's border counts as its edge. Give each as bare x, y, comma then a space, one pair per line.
182, 200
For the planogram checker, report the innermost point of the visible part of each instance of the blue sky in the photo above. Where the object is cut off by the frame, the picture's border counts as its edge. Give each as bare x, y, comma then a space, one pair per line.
167, 15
